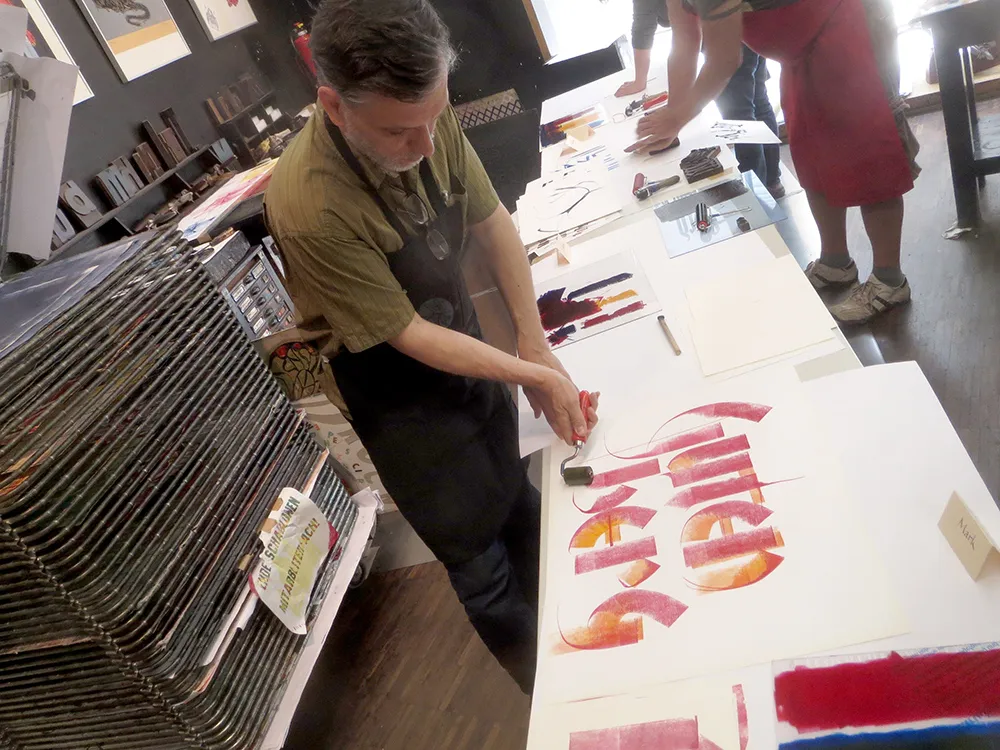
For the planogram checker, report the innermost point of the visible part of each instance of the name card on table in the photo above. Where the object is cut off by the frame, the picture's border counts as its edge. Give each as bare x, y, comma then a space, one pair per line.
965, 536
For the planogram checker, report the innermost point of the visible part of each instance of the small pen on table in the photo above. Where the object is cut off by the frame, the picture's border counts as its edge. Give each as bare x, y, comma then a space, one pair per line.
670, 336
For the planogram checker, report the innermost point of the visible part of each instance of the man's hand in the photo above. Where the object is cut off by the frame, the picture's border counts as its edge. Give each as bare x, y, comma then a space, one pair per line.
630, 87
550, 398
658, 129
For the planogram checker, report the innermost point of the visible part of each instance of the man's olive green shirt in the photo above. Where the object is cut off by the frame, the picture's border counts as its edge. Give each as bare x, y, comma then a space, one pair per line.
335, 241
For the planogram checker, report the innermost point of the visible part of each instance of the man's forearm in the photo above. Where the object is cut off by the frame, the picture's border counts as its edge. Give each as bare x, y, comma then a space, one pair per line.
642, 58
497, 237
459, 354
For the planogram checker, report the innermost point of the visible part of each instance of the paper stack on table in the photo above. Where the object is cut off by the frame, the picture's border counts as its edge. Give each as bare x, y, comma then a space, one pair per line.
747, 317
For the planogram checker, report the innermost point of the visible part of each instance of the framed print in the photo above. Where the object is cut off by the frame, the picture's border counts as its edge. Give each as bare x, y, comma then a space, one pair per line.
43, 41
138, 37
221, 18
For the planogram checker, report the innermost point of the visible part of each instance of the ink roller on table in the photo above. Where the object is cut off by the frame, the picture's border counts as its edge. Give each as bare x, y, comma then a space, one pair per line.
578, 476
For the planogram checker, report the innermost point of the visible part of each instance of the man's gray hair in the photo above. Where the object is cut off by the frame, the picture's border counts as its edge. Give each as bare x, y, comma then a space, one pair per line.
396, 48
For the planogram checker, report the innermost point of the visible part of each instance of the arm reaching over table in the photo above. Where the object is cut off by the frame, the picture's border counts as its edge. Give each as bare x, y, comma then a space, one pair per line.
721, 37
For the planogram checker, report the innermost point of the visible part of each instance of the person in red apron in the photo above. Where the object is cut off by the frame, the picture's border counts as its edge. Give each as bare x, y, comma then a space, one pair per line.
372, 207
845, 119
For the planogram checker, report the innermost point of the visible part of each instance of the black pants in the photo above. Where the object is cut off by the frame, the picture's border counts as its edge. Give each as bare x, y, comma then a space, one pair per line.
745, 98
499, 588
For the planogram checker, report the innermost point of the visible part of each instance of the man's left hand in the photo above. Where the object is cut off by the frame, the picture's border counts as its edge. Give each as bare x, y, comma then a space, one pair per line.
658, 129
545, 358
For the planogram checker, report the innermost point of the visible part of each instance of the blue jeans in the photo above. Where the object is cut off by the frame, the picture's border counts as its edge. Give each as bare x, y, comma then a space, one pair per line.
499, 588
745, 98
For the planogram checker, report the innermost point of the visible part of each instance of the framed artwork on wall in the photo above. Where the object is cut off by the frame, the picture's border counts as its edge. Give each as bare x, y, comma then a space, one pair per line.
221, 18
138, 37
43, 41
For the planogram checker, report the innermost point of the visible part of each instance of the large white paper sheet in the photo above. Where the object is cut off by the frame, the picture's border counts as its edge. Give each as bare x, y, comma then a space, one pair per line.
755, 315
897, 443
694, 714
594, 298
40, 146
734, 545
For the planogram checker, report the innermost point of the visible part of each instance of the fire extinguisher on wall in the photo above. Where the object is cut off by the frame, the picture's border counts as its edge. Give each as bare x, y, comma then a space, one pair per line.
300, 39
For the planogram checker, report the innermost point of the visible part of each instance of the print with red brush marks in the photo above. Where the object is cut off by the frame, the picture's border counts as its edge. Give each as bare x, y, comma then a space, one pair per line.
667, 734
892, 690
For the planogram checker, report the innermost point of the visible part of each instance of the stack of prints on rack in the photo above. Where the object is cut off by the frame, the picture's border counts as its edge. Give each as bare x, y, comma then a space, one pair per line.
142, 445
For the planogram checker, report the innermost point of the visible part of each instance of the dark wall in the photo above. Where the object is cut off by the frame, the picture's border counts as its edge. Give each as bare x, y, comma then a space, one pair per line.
106, 126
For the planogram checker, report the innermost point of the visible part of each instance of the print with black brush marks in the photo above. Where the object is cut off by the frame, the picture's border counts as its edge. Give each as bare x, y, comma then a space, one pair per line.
135, 13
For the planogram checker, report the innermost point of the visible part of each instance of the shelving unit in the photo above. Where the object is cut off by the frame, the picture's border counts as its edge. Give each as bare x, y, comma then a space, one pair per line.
241, 133
113, 226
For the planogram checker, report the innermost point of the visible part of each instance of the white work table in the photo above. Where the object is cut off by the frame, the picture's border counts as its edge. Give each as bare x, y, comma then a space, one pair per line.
900, 456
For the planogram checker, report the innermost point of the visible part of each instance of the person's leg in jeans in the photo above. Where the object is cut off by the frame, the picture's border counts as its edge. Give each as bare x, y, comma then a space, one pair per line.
522, 535
764, 112
488, 587
736, 102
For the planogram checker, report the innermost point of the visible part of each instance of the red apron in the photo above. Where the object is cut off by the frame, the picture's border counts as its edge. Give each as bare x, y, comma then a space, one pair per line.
841, 130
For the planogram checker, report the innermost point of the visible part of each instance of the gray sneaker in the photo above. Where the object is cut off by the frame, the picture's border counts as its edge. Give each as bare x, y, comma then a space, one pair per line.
822, 276
870, 299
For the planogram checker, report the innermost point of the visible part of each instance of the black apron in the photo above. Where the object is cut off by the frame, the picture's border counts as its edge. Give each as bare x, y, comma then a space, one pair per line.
444, 446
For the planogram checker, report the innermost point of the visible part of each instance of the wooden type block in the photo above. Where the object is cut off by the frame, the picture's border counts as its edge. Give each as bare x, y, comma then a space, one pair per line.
62, 230
173, 145
170, 120
78, 204
156, 141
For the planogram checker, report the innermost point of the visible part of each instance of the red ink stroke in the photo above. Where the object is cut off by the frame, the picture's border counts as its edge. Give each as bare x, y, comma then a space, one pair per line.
627, 310
702, 493
560, 335
608, 523
699, 526
700, 554
608, 628
679, 441
731, 465
729, 409
892, 690
556, 312
620, 554
610, 281
741, 716
672, 734
631, 473
701, 453
611, 500
638, 573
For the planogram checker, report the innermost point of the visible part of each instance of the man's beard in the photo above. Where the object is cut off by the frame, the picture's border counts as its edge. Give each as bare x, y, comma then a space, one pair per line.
363, 147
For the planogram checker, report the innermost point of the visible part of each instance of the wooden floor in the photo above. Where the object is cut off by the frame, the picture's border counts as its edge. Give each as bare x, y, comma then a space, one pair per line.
403, 669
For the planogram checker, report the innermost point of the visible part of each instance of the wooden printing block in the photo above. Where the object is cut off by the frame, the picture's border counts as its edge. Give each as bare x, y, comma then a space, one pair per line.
133, 183
170, 120
113, 185
62, 230
145, 168
234, 98
78, 204
149, 165
701, 164
214, 111
173, 145
161, 148
227, 111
